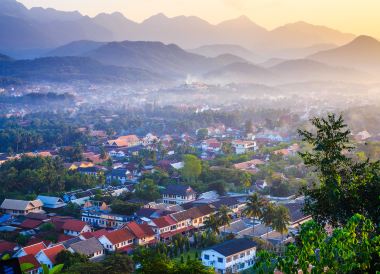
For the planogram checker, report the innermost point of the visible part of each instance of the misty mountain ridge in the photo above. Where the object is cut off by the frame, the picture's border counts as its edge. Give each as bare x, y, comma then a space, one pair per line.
284, 72
363, 53
49, 28
70, 68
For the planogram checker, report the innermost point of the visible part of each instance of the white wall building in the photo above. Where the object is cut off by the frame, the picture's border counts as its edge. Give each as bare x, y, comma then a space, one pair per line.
231, 256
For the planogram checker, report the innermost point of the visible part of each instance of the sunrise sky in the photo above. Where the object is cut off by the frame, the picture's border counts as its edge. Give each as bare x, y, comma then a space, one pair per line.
358, 17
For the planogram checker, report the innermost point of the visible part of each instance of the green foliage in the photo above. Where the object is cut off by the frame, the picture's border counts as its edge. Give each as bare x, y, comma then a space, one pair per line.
41, 132
124, 208
192, 168
147, 190
69, 259
202, 133
353, 248
39, 175
345, 187
118, 263
47, 227
71, 154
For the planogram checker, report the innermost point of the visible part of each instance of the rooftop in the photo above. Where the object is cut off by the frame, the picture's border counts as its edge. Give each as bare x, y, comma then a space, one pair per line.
233, 246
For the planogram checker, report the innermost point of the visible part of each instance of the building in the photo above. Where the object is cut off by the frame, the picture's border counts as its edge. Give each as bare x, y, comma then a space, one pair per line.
121, 240
242, 147
32, 261
104, 219
231, 256
164, 227
75, 227
21, 207
144, 234
120, 175
178, 194
30, 250
47, 256
51, 202
91, 248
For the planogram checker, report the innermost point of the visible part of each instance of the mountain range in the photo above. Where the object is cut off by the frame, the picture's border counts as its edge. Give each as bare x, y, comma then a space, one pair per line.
147, 62
28, 32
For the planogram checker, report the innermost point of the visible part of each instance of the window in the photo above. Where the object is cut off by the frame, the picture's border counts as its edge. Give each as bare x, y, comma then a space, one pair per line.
241, 255
220, 260
236, 257
207, 257
248, 252
229, 259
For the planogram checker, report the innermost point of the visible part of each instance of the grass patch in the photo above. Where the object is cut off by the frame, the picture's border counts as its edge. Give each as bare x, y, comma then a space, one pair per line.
190, 253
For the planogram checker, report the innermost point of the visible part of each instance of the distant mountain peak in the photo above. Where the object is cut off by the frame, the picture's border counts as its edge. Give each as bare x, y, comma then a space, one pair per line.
157, 17
365, 39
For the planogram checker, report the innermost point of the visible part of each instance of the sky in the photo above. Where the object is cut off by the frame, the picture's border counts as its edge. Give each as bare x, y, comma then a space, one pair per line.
354, 16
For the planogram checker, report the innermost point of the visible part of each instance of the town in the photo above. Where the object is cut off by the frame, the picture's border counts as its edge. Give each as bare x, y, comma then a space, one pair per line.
146, 191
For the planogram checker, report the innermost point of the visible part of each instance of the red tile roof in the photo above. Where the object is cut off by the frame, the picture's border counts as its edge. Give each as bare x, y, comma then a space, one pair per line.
30, 223
164, 221
140, 230
35, 240
119, 236
74, 225
6, 246
175, 232
52, 252
63, 237
29, 259
96, 234
34, 249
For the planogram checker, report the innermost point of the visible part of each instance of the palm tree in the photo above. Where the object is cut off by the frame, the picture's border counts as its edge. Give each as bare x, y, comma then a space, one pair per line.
268, 215
223, 217
212, 224
281, 219
254, 209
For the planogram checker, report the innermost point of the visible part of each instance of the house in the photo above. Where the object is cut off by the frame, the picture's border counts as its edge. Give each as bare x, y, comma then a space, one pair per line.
249, 166
7, 247
32, 261
30, 250
120, 175
21, 207
121, 239
91, 248
193, 217
104, 219
212, 145
51, 202
78, 197
165, 227
75, 227
178, 194
91, 171
231, 256
242, 146
144, 234
47, 256
124, 141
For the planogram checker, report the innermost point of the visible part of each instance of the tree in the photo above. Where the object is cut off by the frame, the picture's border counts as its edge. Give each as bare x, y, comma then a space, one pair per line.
202, 133
268, 215
124, 208
227, 148
281, 219
345, 187
192, 168
248, 126
69, 259
147, 190
352, 248
118, 263
212, 224
223, 217
254, 209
